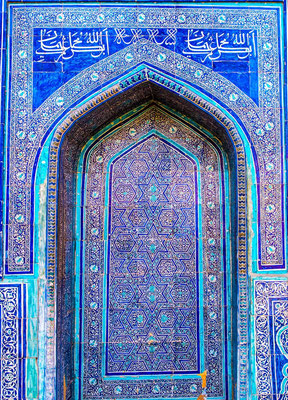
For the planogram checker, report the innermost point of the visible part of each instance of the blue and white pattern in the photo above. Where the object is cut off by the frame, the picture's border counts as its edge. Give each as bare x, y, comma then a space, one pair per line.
144, 284
262, 124
271, 323
12, 344
170, 226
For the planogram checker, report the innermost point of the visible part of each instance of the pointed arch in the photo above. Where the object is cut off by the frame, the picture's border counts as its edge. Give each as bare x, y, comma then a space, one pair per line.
96, 112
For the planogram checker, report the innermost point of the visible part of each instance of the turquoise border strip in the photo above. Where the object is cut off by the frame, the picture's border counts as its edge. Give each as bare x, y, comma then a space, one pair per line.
229, 270
282, 43
164, 398
80, 241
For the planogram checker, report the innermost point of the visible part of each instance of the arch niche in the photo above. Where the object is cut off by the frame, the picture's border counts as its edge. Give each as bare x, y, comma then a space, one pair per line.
148, 258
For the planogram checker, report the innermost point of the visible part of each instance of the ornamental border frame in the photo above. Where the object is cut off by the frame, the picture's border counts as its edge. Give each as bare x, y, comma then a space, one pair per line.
261, 118
178, 118
73, 115
263, 291
13, 319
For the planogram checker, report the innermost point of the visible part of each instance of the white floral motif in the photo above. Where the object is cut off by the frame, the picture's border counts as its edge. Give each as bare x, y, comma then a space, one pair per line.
264, 292
10, 340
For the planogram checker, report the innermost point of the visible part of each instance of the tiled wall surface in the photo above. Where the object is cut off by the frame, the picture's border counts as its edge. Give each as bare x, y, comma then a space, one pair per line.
143, 204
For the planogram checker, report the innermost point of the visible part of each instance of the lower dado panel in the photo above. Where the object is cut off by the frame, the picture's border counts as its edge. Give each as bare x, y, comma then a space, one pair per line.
271, 338
12, 341
270, 353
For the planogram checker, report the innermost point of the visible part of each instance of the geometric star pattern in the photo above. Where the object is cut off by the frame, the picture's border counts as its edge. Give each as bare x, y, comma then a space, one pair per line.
151, 293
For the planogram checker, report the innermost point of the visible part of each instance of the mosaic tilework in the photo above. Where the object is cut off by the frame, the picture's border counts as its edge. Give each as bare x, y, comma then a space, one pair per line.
243, 350
61, 54
148, 319
271, 323
143, 268
70, 49
12, 334
242, 241
262, 122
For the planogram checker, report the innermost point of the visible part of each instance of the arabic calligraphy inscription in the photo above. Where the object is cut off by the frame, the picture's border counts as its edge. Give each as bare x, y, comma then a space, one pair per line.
61, 45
